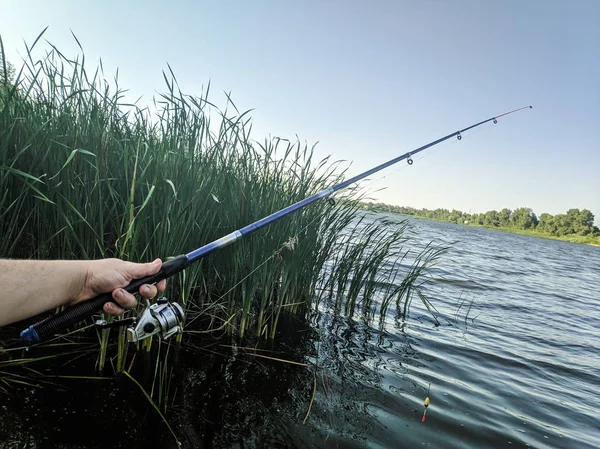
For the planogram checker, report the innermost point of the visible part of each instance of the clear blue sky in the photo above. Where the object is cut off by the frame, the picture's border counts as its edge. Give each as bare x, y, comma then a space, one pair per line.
371, 80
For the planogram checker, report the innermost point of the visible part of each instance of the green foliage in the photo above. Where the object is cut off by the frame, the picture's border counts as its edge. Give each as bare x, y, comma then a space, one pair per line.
546, 224
7, 70
523, 218
491, 218
504, 217
574, 223
83, 175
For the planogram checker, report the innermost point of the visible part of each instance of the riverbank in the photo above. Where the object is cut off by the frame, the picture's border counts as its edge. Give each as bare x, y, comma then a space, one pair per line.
571, 238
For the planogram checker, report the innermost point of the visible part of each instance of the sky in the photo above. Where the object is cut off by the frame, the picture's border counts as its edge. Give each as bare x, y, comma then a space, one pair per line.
372, 80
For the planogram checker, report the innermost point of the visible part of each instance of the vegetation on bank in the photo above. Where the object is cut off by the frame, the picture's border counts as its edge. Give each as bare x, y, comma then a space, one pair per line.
83, 175
574, 226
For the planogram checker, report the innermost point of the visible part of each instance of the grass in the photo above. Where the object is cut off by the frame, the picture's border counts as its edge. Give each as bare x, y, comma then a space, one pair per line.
573, 238
154, 406
85, 175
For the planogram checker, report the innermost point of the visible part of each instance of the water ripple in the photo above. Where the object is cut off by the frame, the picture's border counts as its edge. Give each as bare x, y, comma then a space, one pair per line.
520, 370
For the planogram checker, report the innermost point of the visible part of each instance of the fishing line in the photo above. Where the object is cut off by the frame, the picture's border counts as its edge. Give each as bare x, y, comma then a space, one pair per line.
169, 314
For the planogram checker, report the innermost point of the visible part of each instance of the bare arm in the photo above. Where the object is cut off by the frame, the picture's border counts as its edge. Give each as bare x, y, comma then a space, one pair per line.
30, 287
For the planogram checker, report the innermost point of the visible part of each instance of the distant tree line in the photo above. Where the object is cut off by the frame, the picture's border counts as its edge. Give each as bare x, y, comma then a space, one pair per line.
575, 221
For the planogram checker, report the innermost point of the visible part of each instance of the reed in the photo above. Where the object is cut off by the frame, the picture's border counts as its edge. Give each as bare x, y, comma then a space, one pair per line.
85, 175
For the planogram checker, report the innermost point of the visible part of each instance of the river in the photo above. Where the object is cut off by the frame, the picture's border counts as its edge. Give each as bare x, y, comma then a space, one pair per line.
513, 364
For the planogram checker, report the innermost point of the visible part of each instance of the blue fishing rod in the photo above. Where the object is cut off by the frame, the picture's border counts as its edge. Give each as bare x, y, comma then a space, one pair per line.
167, 318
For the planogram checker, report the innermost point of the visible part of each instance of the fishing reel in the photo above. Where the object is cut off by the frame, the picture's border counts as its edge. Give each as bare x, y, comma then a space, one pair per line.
163, 317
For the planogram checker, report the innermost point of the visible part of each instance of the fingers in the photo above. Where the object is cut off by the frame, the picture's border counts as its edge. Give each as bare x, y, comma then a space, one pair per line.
148, 291
112, 309
140, 270
126, 300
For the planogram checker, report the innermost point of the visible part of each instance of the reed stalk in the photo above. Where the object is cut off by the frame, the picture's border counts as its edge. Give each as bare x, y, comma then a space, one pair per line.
85, 175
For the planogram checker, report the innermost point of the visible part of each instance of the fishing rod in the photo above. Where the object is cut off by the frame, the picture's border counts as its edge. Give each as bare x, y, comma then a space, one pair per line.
167, 318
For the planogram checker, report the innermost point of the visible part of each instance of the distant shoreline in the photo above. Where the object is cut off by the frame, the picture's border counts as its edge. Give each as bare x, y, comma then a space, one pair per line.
566, 238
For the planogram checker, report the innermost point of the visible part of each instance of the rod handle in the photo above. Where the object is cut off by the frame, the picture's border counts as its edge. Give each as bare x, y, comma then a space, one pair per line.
41, 330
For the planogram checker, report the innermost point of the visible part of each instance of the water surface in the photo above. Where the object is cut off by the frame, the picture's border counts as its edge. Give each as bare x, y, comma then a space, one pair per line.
513, 363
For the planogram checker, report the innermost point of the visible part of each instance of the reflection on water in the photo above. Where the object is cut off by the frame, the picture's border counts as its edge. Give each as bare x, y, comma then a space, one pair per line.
513, 364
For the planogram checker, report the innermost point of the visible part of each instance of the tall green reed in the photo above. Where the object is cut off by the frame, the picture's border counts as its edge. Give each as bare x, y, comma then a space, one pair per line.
85, 175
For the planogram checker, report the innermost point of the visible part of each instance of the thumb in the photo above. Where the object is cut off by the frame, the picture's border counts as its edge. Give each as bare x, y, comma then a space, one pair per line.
140, 270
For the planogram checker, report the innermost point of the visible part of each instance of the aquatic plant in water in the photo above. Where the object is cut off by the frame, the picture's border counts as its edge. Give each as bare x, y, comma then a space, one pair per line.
85, 175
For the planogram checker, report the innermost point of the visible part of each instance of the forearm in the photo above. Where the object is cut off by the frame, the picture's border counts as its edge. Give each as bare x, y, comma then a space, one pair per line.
29, 287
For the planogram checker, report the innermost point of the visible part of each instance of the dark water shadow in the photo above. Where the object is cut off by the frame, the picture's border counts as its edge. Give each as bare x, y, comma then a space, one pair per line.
218, 396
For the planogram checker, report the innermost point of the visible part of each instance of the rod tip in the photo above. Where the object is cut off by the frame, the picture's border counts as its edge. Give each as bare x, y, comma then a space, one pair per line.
530, 107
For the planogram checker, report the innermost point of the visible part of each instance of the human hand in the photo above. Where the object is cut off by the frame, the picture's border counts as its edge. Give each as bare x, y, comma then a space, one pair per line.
111, 275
